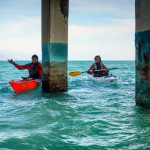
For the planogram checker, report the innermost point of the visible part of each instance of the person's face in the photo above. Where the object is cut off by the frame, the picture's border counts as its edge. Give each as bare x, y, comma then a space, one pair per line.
34, 60
97, 60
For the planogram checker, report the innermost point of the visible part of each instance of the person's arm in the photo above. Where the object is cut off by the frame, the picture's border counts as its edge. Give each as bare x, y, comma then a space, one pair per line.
20, 67
91, 69
106, 69
39, 69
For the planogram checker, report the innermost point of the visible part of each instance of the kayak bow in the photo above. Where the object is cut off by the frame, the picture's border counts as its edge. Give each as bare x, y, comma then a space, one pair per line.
24, 85
104, 79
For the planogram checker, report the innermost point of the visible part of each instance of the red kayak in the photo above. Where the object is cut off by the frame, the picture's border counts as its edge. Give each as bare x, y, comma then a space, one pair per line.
24, 85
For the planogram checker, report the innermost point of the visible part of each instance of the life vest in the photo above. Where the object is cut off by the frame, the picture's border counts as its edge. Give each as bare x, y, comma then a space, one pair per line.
35, 70
96, 68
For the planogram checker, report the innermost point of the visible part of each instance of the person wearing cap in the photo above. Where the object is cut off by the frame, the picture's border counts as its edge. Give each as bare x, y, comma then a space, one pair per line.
98, 68
34, 68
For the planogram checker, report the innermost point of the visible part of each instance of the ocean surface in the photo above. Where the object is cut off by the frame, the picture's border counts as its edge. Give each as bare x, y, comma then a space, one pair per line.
90, 116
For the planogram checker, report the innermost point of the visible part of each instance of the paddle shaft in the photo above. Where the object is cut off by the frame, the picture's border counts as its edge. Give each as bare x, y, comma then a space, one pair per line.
105, 69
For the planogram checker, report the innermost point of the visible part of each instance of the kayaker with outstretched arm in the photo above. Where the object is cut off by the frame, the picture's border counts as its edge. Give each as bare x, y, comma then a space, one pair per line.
98, 68
34, 68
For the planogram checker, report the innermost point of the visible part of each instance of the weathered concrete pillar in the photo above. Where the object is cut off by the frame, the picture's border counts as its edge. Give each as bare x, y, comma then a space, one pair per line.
142, 43
55, 44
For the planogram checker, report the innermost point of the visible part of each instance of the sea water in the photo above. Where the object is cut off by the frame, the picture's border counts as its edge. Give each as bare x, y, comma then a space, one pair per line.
89, 116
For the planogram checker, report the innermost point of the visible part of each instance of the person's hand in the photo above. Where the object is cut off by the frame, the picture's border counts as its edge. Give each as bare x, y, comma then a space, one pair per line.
91, 71
11, 61
106, 70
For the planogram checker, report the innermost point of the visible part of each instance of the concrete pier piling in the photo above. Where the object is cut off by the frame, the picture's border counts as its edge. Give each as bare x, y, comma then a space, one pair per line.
55, 44
142, 44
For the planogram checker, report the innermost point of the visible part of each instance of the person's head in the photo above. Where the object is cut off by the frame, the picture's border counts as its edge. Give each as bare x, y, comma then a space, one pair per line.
34, 58
97, 59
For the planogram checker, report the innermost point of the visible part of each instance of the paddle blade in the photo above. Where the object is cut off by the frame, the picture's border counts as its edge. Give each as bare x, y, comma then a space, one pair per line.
74, 74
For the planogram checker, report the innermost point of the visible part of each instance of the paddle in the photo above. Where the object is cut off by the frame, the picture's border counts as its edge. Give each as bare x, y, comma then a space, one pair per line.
27, 78
40, 80
77, 73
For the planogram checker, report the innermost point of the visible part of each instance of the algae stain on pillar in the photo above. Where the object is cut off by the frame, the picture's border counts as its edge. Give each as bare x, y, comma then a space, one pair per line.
142, 44
55, 44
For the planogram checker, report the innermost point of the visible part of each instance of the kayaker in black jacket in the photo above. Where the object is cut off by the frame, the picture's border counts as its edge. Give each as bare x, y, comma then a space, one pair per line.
98, 68
34, 68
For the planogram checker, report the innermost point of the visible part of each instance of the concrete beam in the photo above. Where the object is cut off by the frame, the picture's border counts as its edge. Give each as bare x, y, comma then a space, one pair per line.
55, 44
142, 44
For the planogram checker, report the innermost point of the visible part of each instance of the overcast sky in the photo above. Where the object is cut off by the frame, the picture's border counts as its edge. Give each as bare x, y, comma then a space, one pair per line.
104, 27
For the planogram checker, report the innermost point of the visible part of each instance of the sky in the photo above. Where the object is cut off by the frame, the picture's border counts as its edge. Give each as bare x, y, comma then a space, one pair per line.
96, 27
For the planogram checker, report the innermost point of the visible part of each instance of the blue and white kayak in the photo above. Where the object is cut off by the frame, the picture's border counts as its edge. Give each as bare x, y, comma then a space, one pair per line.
105, 79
